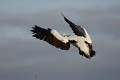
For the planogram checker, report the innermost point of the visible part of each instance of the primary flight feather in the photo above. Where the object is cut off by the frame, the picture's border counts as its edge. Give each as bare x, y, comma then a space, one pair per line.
81, 39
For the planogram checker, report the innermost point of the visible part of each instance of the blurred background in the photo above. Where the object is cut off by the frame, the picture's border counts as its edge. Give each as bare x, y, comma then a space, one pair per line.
22, 56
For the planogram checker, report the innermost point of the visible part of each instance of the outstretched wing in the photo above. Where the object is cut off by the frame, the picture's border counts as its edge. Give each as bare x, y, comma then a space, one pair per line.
78, 30
52, 37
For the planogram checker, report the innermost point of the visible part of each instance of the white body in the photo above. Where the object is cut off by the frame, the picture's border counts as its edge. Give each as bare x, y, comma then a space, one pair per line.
79, 39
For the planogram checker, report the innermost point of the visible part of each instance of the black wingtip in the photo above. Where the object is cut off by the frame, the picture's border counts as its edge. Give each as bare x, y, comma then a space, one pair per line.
34, 28
68, 21
64, 17
62, 14
39, 32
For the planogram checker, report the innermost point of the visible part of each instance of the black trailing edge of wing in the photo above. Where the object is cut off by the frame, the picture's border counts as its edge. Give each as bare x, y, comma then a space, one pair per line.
45, 34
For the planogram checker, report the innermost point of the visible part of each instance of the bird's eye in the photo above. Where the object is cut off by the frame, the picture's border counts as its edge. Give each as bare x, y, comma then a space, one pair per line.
87, 44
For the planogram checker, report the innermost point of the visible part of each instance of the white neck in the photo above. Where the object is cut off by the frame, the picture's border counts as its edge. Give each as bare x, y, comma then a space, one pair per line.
87, 38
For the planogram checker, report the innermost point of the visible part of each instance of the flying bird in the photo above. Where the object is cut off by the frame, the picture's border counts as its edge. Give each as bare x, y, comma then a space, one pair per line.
80, 40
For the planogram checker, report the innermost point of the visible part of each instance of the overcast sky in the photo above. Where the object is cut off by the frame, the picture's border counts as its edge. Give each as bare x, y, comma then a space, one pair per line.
22, 56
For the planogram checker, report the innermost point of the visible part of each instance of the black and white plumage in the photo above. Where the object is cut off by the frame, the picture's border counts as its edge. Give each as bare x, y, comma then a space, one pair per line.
81, 39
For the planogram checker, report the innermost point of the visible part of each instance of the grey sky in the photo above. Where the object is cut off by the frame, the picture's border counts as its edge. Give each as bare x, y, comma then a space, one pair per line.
22, 56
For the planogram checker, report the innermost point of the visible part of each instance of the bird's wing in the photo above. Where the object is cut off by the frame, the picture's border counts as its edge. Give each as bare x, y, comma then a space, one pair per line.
78, 30
52, 37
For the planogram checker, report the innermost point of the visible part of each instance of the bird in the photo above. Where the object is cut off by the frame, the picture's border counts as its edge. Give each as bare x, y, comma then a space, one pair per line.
81, 39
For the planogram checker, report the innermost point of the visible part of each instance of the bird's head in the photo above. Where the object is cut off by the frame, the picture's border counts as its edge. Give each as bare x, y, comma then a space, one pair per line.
89, 44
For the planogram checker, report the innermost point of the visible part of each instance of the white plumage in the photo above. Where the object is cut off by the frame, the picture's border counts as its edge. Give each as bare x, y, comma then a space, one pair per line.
80, 40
